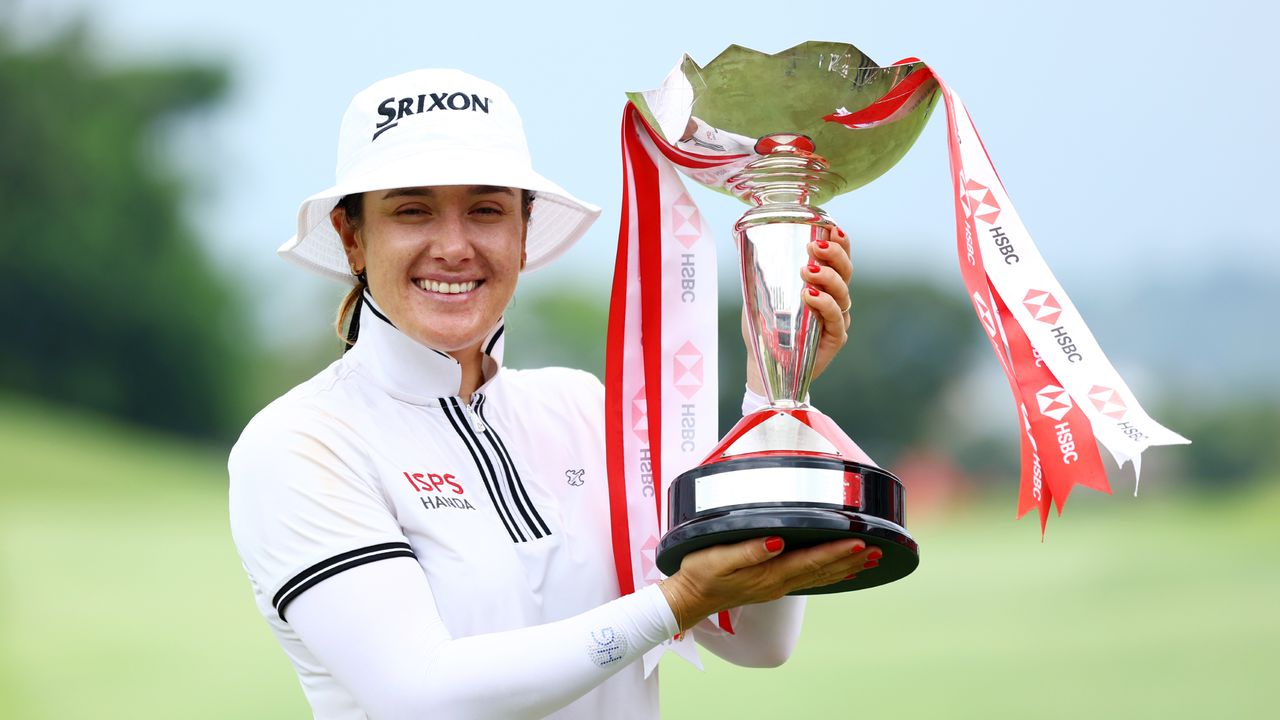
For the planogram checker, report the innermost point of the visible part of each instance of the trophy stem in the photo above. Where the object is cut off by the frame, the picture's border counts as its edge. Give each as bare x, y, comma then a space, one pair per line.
773, 243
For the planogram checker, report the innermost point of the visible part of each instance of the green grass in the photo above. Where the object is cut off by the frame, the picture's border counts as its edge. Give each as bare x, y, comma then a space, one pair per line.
1146, 608
121, 597
121, 594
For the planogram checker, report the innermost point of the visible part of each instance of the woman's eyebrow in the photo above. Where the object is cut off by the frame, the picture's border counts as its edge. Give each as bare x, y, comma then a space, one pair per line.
429, 192
489, 190
409, 191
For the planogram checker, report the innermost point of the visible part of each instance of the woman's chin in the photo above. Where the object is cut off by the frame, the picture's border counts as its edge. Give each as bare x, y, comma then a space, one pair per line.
450, 340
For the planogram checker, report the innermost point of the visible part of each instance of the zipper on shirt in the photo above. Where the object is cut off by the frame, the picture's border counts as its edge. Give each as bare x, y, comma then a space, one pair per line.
473, 417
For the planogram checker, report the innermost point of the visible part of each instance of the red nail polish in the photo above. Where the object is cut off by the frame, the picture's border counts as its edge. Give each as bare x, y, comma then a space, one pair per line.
875, 555
822, 244
773, 544
851, 576
813, 292
840, 232
870, 564
857, 548
813, 267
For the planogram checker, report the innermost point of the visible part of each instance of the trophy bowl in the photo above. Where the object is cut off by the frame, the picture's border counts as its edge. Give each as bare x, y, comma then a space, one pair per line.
786, 469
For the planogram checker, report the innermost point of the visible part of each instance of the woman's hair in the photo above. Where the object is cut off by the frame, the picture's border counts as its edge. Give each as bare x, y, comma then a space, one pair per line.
347, 325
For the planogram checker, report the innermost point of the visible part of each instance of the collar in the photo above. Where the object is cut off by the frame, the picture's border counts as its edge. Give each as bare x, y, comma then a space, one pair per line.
407, 369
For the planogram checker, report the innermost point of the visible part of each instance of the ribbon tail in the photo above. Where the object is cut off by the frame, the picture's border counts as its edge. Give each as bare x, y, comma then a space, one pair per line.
1137, 473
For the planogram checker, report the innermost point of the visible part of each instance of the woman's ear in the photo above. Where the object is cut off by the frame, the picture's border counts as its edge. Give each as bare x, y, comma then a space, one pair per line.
524, 237
350, 236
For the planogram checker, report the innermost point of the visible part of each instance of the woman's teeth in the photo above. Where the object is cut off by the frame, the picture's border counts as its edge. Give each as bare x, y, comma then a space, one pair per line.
447, 288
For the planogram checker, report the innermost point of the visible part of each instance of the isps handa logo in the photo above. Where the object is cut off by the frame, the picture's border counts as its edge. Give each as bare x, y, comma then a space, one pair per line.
393, 109
439, 490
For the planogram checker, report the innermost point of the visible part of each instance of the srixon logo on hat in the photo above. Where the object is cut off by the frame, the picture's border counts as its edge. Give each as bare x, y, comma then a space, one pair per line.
393, 108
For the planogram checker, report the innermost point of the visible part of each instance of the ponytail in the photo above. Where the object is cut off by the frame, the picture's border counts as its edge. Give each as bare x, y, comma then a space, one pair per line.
347, 326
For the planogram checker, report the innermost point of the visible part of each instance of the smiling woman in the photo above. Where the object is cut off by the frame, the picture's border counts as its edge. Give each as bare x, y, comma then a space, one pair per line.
425, 531
442, 261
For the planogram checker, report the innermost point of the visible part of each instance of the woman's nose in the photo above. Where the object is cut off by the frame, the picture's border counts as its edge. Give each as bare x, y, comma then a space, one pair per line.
449, 241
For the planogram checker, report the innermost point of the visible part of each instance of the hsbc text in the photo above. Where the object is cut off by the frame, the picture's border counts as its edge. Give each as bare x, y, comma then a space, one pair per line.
1066, 443
688, 278
1067, 344
646, 473
1037, 476
1132, 432
688, 428
1005, 245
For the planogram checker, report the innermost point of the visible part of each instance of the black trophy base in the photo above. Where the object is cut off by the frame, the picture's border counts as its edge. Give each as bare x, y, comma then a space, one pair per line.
871, 509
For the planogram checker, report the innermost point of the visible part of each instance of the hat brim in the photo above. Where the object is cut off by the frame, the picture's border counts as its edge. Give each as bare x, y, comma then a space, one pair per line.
557, 221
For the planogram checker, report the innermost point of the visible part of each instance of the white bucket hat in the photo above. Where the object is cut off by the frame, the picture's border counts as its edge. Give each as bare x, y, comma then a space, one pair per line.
434, 127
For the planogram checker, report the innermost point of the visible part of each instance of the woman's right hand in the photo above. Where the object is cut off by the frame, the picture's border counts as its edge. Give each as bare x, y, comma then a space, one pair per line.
755, 571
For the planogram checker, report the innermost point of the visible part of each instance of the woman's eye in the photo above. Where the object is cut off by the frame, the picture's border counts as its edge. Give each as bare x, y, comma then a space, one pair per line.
411, 211
489, 211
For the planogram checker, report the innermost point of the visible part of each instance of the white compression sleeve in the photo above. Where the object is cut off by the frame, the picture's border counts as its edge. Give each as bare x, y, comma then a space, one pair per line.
763, 634
375, 627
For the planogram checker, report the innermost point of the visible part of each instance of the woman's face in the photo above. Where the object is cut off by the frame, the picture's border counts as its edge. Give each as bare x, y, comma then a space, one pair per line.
442, 262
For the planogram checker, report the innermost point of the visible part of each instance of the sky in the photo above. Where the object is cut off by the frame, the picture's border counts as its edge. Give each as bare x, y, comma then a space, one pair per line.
1136, 138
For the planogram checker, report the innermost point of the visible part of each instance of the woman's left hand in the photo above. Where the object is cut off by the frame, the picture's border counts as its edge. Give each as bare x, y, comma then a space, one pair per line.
827, 295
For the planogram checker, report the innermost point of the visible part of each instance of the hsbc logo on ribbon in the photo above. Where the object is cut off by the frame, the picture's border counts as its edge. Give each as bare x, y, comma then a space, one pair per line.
984, 314
686, 221
1043, 306
1108, 402
1054, 402
640, 416
687, 366
979, 202
648, 564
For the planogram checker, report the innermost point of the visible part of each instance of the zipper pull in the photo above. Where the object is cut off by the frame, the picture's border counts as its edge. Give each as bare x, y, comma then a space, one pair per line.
476, 423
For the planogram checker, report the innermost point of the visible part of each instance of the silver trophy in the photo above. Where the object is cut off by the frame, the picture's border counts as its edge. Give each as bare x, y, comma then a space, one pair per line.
787, 469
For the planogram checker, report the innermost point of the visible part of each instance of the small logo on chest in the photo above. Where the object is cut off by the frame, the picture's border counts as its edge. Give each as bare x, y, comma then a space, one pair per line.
575, 476
439, 490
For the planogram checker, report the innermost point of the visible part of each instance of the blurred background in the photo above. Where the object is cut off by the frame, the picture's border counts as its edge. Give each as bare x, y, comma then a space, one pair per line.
152, 156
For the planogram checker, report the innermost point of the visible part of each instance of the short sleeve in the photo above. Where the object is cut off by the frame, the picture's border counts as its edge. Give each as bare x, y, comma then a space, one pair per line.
305, 505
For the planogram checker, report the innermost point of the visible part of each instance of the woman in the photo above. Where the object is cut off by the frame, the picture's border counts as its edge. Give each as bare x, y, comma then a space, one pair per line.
425, 532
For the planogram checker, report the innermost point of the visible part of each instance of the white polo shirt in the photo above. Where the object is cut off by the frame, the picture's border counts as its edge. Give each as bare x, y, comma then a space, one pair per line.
503, 502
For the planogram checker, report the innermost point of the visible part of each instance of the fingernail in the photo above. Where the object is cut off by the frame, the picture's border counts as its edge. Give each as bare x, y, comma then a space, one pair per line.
869, 564
875, 555
857, 548
840, 232
822, 244
773, 544
851, 576
813, 292
813, 267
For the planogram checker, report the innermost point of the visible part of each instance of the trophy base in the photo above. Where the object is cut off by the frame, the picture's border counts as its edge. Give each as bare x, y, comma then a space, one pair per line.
806, 497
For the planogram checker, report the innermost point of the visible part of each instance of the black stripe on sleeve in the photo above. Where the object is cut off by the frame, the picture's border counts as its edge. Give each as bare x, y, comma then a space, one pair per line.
490, 478
514, 481
332, 566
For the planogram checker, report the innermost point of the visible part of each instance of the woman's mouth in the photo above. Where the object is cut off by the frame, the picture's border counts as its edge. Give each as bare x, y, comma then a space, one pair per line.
448, 288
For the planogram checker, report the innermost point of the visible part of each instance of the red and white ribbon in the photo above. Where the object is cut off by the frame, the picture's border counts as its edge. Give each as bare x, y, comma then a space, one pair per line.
1067, 392
662, 353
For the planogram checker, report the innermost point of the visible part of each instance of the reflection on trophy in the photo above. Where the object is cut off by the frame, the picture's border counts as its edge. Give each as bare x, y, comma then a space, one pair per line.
787, 469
